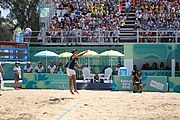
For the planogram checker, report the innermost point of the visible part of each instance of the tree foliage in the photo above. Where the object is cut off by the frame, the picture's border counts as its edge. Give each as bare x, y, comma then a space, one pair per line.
6, 28
25, 12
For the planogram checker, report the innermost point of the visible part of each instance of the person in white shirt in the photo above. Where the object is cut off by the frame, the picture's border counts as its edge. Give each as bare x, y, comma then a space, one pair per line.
27, 34
17, 74
28, 68
88, 66
52, 68
128, 7
28, 31
39, 68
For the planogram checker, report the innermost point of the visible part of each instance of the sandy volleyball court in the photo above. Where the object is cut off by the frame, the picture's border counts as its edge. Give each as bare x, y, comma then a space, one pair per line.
88, 105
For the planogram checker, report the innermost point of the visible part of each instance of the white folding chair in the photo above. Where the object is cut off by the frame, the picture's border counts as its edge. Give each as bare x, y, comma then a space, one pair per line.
87, 74
106, 76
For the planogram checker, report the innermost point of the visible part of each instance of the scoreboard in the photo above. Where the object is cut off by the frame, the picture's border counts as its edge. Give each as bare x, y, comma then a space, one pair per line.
13, 51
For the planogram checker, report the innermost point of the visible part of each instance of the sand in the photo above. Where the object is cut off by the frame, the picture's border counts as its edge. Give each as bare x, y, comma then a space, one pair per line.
88, 105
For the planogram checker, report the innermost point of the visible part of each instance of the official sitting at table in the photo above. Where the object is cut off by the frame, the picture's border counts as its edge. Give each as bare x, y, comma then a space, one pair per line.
51, 68
28, 68
88, 66
136, 78
117, 68
39, 68
60, 68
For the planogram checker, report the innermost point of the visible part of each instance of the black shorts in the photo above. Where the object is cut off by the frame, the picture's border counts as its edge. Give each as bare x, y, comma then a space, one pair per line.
137, 84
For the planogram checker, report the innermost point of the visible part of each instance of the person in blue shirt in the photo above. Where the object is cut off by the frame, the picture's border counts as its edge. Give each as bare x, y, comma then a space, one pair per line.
136, 78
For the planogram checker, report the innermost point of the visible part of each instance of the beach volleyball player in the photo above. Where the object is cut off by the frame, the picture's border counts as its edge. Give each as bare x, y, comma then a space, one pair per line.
71, 70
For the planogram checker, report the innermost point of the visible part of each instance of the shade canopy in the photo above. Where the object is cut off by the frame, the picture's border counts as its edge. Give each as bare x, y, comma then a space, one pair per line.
46, 53
65, 55
89, 53
111, 53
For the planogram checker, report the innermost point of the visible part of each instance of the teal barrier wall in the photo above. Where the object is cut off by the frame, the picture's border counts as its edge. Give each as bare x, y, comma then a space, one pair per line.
8, 69
174, 84
150, 83
156, 73
45, 81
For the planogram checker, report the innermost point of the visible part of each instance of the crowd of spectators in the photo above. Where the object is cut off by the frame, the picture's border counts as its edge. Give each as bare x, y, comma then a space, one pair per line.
157, 15
161, 66
40, 68
92, 17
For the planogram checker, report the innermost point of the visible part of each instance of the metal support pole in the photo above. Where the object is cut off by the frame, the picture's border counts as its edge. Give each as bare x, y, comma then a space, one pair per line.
137, 35
176, 36
157, 37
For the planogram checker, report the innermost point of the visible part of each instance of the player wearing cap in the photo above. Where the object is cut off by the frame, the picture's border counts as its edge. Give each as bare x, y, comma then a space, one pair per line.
28, 68
17, 74
39, 68
71, 70
52, 68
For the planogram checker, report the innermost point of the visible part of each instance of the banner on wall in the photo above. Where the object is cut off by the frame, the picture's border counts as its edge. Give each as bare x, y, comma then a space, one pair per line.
174, 84
150, 83
123, 83
45, 81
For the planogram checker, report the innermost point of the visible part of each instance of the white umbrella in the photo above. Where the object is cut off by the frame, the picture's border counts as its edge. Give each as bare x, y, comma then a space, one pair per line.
46, 54
65, 55
90, 53
111, 53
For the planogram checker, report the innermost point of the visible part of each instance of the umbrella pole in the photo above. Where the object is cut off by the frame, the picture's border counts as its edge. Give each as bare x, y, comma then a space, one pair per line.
88, 61
111, 62
46, 64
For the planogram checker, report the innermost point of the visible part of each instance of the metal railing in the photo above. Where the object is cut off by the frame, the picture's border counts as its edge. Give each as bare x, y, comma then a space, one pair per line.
100, 37
158, 36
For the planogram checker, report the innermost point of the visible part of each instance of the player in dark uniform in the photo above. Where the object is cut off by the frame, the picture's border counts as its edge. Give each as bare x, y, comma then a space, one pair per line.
137, 83
71, 70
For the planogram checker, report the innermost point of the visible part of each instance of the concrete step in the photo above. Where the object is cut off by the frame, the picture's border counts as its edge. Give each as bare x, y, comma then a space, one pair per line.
126, 29
127, 34
130, 20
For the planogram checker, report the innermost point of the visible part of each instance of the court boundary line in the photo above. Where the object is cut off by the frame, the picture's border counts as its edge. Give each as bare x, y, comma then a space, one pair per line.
66, 111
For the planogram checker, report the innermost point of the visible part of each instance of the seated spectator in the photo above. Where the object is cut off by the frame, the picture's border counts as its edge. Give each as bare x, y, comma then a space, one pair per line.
60, 68
117, 68
39, 68
51, 68
177, 66
162, 67
136, 78
88, 66
145, 66
154, 66
28, 68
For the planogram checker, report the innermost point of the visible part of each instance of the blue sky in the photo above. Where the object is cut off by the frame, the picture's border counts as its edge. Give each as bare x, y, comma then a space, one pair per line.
4, 12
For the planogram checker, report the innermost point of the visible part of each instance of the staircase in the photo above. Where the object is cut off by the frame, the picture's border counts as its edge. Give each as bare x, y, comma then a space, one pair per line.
127, 32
